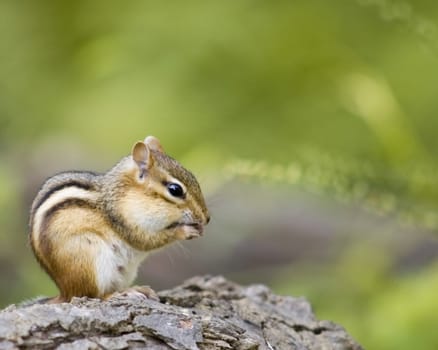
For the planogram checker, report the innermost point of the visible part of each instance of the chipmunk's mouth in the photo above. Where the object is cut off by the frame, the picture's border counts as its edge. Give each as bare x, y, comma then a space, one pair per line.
191, 229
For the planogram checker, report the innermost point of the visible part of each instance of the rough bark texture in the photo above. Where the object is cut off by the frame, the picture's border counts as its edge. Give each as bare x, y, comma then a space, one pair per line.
202, 313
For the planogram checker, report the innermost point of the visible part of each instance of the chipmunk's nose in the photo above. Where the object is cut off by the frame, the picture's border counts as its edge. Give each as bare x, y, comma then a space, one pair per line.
208, 219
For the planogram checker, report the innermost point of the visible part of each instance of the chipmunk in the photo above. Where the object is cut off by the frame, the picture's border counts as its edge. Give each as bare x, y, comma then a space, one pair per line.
91, 231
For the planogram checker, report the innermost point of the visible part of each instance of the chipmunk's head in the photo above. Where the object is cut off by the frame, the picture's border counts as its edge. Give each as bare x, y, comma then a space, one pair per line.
163, 199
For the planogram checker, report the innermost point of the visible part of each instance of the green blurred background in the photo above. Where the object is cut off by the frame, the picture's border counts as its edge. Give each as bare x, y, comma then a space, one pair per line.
311, 126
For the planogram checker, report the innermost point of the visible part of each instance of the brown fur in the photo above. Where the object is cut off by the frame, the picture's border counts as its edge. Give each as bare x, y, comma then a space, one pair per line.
72, 229
69, 254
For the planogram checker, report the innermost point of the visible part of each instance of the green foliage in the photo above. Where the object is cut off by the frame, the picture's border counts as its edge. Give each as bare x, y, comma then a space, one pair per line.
334, 98
409, 194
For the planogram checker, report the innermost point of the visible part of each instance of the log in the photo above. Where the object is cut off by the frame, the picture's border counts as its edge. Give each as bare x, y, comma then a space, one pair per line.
202, 313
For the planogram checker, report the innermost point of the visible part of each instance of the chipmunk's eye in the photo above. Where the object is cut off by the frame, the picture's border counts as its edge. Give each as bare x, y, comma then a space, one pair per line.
175, 190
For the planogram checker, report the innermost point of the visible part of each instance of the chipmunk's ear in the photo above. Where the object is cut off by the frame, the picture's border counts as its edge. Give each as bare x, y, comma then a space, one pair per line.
154, 144
142, 156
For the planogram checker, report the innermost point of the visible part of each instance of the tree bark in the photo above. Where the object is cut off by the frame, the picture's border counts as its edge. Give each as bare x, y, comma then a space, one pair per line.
202, 313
